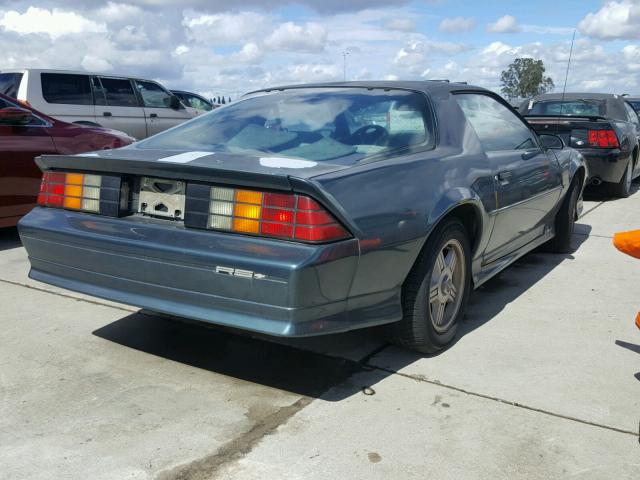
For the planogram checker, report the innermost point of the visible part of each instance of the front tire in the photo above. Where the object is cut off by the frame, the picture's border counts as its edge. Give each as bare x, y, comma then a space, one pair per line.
436, 291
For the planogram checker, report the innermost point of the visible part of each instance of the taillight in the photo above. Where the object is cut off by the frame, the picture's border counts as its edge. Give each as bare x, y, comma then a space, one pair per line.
603, 139
74, 191
279, 215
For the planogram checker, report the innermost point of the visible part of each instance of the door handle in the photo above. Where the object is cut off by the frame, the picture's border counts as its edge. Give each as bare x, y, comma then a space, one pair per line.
530, 154
106, 114
153, 115
503, 178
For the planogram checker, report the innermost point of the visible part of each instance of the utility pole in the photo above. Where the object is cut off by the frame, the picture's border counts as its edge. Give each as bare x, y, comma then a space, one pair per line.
344, 65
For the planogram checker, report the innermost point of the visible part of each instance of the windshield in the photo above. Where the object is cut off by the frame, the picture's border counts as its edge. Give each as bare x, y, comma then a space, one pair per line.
344, 124
585, 108
9, 83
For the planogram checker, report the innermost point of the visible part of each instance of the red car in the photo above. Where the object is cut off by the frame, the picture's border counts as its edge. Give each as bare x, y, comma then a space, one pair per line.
26, 133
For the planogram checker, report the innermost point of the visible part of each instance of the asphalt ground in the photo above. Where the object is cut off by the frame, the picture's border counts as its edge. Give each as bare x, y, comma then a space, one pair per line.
543, 382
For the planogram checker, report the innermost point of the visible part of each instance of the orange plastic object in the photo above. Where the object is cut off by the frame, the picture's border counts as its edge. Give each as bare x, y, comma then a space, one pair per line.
628, 242
638, 320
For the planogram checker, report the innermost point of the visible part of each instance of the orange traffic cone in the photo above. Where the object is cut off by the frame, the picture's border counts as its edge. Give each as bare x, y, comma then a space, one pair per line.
629, 243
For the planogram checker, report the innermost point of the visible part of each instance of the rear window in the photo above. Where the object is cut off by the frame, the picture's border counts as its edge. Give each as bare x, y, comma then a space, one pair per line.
9, 83
340, 124
635, 104
585, 108
66, 88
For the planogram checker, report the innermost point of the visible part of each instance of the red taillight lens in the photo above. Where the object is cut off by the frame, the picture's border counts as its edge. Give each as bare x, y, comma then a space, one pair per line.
603, 139
287, 216
74, 191
52, 190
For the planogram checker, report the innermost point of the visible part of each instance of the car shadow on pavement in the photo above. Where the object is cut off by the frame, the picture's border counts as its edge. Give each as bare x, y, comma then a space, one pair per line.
630, 346
9, 238
486, 302
293, 368
235, 354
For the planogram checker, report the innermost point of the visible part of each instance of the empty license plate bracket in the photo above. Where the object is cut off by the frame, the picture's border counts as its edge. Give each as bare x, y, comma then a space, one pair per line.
161, 197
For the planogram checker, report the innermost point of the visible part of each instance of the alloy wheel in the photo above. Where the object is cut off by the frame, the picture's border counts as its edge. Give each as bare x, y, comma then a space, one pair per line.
447, 285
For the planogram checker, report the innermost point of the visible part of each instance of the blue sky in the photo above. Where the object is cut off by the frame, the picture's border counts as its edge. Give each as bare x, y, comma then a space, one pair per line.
223, 47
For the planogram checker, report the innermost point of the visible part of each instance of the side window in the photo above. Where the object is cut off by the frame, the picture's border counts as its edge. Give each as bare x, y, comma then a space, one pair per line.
9, 83
118, 92
196, 102
153, 95
497, 127
633, 116
66, 88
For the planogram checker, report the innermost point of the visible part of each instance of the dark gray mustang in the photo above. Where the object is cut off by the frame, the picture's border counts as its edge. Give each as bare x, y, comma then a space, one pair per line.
312, 209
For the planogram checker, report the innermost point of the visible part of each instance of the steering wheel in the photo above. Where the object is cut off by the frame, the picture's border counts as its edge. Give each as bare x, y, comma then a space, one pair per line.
370, 135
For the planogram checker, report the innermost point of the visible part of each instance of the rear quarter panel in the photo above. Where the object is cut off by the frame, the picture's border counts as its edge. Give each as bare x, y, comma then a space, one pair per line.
395, 203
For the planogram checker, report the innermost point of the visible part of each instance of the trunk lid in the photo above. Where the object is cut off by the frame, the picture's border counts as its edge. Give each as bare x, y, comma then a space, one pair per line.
573, 130
245, 170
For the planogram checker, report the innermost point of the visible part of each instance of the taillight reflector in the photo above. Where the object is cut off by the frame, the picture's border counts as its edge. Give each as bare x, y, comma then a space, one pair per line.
74, 191
287, 216
603, 139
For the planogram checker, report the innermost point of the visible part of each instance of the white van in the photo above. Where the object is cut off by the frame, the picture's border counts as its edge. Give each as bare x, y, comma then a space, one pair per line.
135, 106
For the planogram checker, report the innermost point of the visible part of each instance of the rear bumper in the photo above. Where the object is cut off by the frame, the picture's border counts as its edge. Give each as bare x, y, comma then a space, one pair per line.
608, 165
269, 286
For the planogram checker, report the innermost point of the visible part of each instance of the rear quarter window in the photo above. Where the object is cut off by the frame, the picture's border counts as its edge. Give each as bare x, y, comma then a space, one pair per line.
497, 127
66, 88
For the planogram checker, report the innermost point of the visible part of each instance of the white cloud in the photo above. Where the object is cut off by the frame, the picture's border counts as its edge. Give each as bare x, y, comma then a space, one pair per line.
181, 50
309, 38
303, 73
132, 36
95, 64
401, 24
617, 19
417, 51
506, 24
249, 54
225, 28
118, 12
457, 24
55, 23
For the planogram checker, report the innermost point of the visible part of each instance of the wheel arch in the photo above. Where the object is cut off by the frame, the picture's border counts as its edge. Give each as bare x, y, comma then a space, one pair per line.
466, 206
469, 211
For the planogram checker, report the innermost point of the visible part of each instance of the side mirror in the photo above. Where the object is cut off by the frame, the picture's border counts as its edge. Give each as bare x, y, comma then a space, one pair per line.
174, 102
15, 116
549, 141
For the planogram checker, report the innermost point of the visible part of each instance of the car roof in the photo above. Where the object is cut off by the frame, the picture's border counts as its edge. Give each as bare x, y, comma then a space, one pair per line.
426, 86
576, 96
69, 72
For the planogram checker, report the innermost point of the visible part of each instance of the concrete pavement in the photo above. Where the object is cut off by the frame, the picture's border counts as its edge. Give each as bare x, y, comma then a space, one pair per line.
544, 382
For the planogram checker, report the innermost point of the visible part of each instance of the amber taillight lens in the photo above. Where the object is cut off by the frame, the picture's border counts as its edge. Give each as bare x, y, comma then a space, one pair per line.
73, 191
279, 215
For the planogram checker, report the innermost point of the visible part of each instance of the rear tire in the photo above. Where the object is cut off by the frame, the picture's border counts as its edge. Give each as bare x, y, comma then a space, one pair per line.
622, 189
435, 293
565, 222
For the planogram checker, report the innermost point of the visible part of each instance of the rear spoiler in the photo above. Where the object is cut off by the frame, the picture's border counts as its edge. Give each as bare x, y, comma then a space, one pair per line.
568, 118
178, 171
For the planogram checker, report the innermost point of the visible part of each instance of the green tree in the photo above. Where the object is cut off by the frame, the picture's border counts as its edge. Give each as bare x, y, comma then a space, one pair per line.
525, 78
